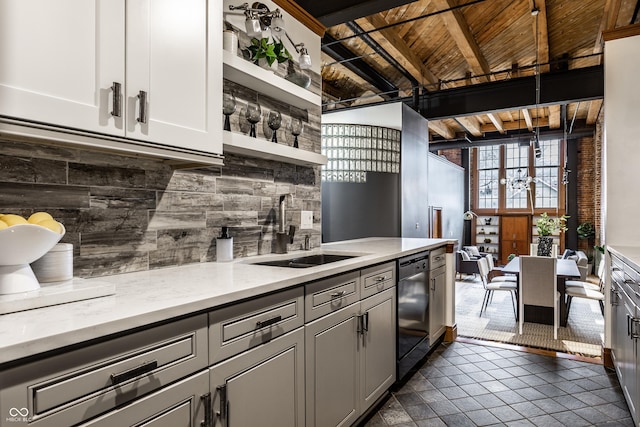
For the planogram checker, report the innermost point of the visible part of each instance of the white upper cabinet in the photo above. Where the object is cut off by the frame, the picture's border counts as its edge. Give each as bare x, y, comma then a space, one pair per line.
59, 61
141, 69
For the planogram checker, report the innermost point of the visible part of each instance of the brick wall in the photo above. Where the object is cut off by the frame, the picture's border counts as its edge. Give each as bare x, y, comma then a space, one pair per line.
454, 155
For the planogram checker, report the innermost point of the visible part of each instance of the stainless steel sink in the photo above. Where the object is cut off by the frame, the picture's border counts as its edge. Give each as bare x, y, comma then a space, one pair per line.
306, 261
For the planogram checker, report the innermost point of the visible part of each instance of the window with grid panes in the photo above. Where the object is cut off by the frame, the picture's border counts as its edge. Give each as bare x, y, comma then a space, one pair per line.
547, 166
488, 169
516, 161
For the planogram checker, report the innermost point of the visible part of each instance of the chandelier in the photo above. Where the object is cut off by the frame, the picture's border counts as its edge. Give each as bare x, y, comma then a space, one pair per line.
518, 182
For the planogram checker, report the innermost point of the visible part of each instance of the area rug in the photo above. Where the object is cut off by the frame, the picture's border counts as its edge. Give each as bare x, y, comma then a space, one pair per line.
583, 334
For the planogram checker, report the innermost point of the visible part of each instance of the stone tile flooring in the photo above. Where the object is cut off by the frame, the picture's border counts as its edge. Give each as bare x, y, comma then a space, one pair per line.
463, 384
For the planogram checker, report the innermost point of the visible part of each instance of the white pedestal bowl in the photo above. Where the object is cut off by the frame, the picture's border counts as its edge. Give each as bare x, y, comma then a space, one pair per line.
20, 245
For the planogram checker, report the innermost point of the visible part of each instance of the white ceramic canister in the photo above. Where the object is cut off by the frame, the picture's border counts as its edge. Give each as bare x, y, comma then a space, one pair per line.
56, 265
230, 41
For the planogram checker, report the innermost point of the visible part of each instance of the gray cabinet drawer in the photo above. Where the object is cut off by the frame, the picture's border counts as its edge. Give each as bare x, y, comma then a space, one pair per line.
242, 326
435, 272
80, 384
437, 257
377, 279
328, 295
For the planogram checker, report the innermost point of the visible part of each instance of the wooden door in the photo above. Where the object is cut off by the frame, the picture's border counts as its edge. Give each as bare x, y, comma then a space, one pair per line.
515, 232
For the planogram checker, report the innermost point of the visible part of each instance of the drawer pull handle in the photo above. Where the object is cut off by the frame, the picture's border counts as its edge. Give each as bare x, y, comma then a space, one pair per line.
438, 258
264, 324
223, 413
338, 294
380, 279
145, 368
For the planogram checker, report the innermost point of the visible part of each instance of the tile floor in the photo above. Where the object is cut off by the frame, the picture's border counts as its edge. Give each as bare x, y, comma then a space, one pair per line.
463, 384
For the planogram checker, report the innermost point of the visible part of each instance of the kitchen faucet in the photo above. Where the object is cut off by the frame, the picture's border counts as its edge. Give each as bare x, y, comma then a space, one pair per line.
283, 238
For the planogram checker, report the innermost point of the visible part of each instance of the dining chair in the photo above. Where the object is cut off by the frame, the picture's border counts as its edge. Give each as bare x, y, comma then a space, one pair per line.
538, 287
496, 274
490, 286
586, 290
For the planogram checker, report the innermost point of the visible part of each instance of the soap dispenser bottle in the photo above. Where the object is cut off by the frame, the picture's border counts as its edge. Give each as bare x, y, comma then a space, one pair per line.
224, 246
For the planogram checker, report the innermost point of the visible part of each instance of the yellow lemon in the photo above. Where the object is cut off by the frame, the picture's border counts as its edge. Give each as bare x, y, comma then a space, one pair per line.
51, 224
11, 219
3, 225
39, 216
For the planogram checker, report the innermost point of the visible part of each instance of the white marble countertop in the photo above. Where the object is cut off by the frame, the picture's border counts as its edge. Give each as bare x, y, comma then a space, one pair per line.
630, 254
147, 297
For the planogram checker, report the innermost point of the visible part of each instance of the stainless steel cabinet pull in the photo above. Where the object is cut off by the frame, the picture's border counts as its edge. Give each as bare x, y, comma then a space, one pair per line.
628, 325
206, 398
268, 322
338, 294
365, 322
614, 297
145, 368
223, 413
380, 279
117, 100
634, 324
142, 117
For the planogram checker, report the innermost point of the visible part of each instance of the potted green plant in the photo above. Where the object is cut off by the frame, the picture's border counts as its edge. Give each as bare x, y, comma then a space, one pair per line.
587, 231
546, 227
269, 51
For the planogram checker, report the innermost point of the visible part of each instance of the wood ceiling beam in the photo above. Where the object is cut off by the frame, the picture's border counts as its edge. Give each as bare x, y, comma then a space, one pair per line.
471, 124
497, 122
608, 22
554, 116
594, 111
542, 33
441, 128
391, 41
461, 34
527, 118
514, 125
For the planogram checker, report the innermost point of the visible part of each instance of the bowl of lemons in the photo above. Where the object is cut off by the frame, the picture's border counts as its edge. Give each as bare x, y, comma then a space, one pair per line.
25, 240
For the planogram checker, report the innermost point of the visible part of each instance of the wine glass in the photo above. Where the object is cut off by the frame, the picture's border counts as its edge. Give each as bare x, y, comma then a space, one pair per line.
274, 121
228, 108
296, 129
253, 115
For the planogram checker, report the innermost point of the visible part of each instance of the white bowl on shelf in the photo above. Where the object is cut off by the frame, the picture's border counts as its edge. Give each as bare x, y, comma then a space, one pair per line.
21, 245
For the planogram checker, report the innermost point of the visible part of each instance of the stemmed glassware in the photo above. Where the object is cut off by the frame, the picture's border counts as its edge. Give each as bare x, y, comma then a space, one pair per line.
228, 108
253, 115
274, 121
296, 129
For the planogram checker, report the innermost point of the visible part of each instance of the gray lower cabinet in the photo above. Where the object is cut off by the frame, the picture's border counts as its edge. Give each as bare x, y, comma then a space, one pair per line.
437, 289
261, 387
625, 318
350, 352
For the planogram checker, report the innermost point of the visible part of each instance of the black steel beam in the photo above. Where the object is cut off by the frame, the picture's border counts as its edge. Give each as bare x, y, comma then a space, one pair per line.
582, 84
339, 52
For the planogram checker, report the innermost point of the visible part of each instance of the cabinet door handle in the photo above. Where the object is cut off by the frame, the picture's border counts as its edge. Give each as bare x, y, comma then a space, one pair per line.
365, 322
145, 368
634, 323
117, 99
142, 116
338, 294
433, 284
380, 279
268, 322
208, 409
223, 412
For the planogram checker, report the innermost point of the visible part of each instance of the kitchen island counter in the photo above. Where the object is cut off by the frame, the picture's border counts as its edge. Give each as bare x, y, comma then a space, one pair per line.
144, 298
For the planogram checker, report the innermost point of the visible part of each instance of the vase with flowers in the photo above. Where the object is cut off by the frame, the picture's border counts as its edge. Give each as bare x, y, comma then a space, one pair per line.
546, 227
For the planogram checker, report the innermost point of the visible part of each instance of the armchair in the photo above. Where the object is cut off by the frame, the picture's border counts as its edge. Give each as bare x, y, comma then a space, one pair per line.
465, 265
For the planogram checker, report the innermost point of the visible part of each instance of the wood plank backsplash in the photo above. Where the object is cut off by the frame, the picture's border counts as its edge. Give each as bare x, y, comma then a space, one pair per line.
125, 214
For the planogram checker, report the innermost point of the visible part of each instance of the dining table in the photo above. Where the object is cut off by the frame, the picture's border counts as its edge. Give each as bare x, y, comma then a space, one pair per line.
566, 269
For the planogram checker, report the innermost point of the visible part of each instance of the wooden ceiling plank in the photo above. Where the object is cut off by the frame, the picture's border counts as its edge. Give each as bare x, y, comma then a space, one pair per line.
594, 111
461, 34
497, 122
513, 126
527, 118
471, 124
554, 116
441, 128
411, 62
608, 22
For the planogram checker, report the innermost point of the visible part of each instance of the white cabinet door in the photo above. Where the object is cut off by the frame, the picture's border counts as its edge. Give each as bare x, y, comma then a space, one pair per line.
174, 73
59, 60
178, 405
378, 351
437, 287
331, 347
263, 386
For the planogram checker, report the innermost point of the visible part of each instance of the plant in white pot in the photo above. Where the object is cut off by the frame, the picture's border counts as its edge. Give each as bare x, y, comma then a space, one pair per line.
546, 227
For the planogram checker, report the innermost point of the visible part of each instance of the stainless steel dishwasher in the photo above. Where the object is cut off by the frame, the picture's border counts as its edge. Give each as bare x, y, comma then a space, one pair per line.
413, 312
